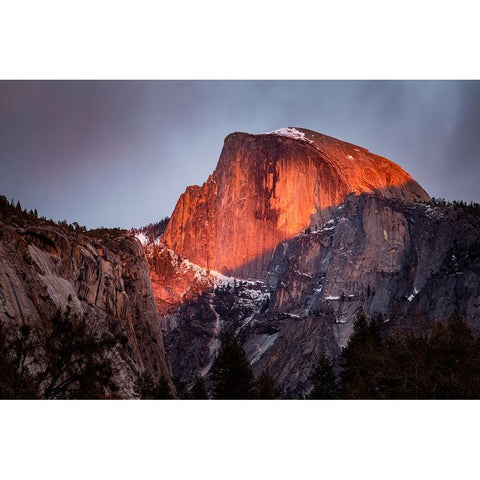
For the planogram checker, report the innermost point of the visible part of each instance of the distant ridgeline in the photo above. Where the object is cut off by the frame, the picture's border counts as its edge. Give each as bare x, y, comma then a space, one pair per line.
13, 212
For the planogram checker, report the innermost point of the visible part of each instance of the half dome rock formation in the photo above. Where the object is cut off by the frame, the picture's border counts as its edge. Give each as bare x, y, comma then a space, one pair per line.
290, 236
266, 189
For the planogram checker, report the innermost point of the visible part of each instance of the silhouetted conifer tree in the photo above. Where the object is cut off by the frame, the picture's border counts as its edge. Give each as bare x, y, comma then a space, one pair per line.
147, 389
323, 379
164, 391
266, 388
78, 359
16, 381
361, 359
65, 357
232, 375
199, 391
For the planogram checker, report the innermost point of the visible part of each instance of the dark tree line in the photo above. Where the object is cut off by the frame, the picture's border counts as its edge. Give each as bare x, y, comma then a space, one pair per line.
472, 207
66, 357
231, 377
148, 389
153, 230
13, 211
445, 364
63, 357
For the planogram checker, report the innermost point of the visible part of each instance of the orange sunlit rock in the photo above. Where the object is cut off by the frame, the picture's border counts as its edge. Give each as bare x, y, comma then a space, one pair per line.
269, 187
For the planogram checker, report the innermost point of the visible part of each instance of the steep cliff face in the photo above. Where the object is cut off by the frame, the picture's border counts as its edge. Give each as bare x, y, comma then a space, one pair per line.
326, 228
379, 255
405, 264
268, 188
105, 275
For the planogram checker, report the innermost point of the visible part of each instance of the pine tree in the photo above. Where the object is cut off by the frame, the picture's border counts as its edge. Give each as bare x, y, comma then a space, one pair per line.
456, 367
267, 390
181, 390
362, 358
444, 364
63, 357
199, 391
147, 389
360, 329
16, 380
323, 379
163, 390
78, 359
232, 376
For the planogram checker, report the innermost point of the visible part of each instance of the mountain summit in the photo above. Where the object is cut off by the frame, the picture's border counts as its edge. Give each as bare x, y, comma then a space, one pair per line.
269, 187
306, 231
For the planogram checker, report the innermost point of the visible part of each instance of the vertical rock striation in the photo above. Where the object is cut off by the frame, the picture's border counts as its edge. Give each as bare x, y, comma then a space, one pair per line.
325, 226
105, 275
268, 188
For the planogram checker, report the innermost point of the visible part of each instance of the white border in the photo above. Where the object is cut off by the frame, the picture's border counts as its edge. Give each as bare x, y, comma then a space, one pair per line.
248, 40
239, 439
106, 39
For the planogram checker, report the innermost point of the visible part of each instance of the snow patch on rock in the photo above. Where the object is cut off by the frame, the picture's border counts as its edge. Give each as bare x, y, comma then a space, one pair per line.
332, 297
142, 238
264, 343
291, 133
412, 295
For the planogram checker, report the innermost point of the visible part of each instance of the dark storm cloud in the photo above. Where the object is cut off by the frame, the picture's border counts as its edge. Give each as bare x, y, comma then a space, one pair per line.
120, 153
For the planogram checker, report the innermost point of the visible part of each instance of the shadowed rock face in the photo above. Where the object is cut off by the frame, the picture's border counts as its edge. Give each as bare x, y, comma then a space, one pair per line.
44, 267
266, 189
405, 264
325, 226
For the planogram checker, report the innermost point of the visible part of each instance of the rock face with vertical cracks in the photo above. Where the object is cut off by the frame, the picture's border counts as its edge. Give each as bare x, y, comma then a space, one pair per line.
44, 267
405, 264
308, 229
268, 188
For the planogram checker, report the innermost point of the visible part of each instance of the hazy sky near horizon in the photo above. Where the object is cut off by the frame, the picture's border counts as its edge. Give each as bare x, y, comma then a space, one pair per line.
119, 153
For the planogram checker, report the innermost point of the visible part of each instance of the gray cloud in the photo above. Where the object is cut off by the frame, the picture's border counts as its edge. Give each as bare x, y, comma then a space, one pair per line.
120, 153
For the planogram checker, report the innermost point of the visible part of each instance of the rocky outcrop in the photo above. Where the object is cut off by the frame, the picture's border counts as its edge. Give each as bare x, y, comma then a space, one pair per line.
379, 255
405, 264
44, 267
268, 188
327, 229
399, 262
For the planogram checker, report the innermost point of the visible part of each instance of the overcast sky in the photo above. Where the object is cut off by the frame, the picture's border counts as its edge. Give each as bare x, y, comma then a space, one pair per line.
111, 153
